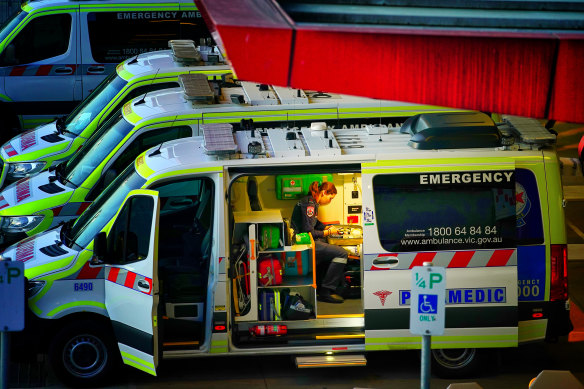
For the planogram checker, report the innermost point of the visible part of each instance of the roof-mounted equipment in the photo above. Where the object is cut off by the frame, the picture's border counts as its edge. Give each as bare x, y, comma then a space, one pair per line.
528, 131
218, 139
259, 94
452, 130
249, 139
197, 88
184, 51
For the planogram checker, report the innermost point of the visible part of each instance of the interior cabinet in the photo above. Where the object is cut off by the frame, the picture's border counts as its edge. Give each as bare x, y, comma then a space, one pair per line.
298, 261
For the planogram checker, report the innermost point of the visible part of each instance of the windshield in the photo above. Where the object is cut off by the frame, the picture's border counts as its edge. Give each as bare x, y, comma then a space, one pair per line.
8, 26
85, 112
105, 206
96, 149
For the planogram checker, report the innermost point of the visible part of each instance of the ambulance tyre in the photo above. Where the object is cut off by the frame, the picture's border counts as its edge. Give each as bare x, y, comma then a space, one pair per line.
82, 354
456, 362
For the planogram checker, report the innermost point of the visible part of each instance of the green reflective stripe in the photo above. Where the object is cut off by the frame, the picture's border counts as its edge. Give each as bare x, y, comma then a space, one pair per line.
133, 8
44, 224
37, 206
32, 303
80, 193
214, 169
273, 113
141, 167
37, 271
39, 155
374, 114
129, 114
122, 72
5, 98
76, 304
138, 363
419, 169
449, 341
532, 330
219, 346
440, 161
170, 121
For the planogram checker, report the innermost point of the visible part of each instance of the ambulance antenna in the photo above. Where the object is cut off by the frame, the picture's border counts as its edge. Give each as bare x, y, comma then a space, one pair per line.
380, 121
157, 152
143, 99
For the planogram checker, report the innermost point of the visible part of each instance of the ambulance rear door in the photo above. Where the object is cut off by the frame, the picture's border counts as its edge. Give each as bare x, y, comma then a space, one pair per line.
131, 282
457, 215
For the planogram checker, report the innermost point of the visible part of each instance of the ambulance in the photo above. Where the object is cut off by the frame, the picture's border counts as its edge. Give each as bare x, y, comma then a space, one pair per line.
49, 144
53, 53
61, 193
166, 262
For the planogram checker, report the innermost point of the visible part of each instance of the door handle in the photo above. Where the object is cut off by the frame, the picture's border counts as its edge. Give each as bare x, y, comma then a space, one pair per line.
143, 284
385, 261
96, 69
64, 70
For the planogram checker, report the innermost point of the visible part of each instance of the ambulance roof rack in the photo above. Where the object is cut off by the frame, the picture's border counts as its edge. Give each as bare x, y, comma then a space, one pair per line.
197, 88
218, 139
185, 51
451, 130
528, 131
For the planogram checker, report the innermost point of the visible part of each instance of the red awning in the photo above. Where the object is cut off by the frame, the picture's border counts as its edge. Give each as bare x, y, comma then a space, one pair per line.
536, 70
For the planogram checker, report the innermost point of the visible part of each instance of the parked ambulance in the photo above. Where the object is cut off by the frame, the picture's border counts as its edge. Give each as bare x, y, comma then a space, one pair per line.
57, 195
168, 261
49, 144
53, 53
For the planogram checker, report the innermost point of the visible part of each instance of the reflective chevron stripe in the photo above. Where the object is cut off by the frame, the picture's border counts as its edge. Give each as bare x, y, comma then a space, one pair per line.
449, 259
128, 279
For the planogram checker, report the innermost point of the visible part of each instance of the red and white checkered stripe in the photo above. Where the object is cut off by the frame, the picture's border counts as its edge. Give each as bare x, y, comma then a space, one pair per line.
10, 151
25, 250
3, 202
449, 259
28, 139
128, 279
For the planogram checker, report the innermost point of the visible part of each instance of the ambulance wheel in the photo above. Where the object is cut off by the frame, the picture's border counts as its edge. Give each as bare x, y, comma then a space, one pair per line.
456, 362
82, 354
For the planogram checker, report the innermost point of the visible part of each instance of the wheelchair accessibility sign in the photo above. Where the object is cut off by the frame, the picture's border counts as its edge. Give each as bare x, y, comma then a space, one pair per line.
427, 300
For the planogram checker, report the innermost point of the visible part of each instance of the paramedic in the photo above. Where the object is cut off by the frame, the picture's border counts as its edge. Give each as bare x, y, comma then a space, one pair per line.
305, 219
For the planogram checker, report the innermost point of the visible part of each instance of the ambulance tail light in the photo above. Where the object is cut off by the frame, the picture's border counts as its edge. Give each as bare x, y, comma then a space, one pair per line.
559, 273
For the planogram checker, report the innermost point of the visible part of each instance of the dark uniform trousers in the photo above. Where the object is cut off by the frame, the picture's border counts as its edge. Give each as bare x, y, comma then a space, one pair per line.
337, 257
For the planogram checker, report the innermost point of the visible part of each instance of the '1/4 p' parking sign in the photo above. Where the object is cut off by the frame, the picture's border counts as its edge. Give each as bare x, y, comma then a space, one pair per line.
11, 296
428, 300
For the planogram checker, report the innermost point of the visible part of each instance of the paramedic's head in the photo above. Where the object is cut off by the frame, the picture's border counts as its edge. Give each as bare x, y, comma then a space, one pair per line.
323, 193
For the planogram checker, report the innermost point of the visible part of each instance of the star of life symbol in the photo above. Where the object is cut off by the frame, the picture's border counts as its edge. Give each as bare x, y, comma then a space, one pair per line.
382, 294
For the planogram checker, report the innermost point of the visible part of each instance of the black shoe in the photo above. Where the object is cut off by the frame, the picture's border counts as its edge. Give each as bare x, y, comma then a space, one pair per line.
328, 297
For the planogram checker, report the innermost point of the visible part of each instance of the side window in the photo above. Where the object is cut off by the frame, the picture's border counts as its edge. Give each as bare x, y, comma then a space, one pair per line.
529, 223
151, 87
445, 211
115, 36
43, 37
129, 238
140, 144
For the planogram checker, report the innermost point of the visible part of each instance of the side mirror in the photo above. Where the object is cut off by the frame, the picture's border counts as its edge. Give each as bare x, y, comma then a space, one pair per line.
99, 248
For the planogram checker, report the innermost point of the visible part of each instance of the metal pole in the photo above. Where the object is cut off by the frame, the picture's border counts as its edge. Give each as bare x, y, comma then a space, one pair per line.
4, 358
426, 340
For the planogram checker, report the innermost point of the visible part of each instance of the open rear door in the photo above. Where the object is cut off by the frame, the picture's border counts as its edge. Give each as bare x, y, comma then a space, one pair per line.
131, 286
458, 214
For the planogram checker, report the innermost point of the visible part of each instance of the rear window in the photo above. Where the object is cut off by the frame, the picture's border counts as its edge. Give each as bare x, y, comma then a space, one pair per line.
529, 222
445, 211
115, 36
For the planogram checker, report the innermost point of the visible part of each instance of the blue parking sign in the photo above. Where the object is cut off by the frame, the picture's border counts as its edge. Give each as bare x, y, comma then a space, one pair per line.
11, 296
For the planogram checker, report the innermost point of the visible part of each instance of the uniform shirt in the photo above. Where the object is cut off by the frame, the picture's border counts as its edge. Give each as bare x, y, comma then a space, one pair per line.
304, 217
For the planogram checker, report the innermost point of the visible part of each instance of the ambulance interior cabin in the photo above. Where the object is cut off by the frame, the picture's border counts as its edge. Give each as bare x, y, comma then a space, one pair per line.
270, 262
